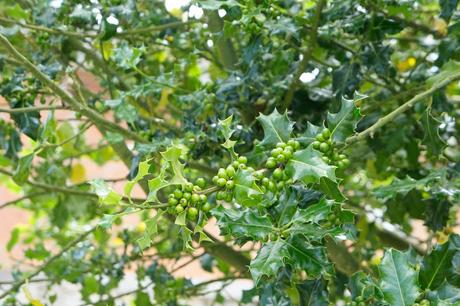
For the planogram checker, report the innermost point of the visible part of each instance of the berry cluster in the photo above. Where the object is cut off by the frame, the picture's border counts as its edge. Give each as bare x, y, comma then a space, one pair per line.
282, 153
423, 302
188, 198
324, 144
224, 178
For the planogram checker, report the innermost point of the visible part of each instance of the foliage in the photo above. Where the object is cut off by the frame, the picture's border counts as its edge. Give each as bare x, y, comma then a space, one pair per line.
313, 134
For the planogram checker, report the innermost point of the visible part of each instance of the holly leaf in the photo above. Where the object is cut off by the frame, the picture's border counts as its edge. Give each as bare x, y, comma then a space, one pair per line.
277, 128
308, 167
227, 132
105, 193
172, 155
438, 264
246, 191
446, 294
433, 142
331, 188
398, 278
244, 224
143, 170
309, 135
343, 123
269, 260
22, 172
157, 184
151, 229
405, 185
303, 256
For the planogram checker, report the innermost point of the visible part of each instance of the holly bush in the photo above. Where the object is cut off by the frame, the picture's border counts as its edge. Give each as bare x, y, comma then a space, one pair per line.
320, 137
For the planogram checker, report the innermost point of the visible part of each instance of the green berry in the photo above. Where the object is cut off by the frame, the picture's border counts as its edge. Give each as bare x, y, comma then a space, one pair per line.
235, 164
214, 179
189, 187
186, 195
228, 196
172, 201
203, 198
316, 145
242, 166
296, 145
177, 194
275, 152
230, 171
221, 182
230, 184
171, 195
179, 209
289, 181
346, 162
289, 148
192, 213
320, 138
200, 182
326, 159
258, 175
342, 156
271, 163
326, 133
324, 147
206, 207
242, 159
280, 145
250, 169
183, 202
222, 173
281, 158
278, 174
271, 186
340, 164
265, 181
287, 154
220, 195
195, 198
291, 143
280, 185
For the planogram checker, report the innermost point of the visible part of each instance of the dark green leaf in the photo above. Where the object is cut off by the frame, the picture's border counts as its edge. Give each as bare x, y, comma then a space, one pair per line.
308, 167
343, 123
23, 169
269, 260
277, 128
433, 142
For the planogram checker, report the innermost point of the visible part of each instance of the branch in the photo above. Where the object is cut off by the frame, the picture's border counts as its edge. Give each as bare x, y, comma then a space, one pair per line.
409, 104
306, 56
46, 29
155, 28
18, 284
21, 110
66, 96
28, 196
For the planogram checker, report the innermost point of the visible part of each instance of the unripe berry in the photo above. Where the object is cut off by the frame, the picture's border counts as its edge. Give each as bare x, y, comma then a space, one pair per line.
265, 181
271, 186
200, 182
206, 207
195, 198
316, 145
228, 196
242, 166
189, 187
250, 169
230, 184
183, 202
278, 174
214, 179
242, 159
275, 152
220, 195
221, 182
177, 194
271, 163
296, 145
281, 158
179, 209
319, 138
325, 159
281, 145
346, 162
192, 213
230, 171
342, 156
222, 173
324, 147
258, 175
287, 154
326, 133
235, 164
172, 201
186, 195
291, 143
280, 185
203, 198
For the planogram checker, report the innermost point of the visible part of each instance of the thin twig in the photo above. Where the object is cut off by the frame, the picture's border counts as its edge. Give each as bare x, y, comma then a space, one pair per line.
21, 110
